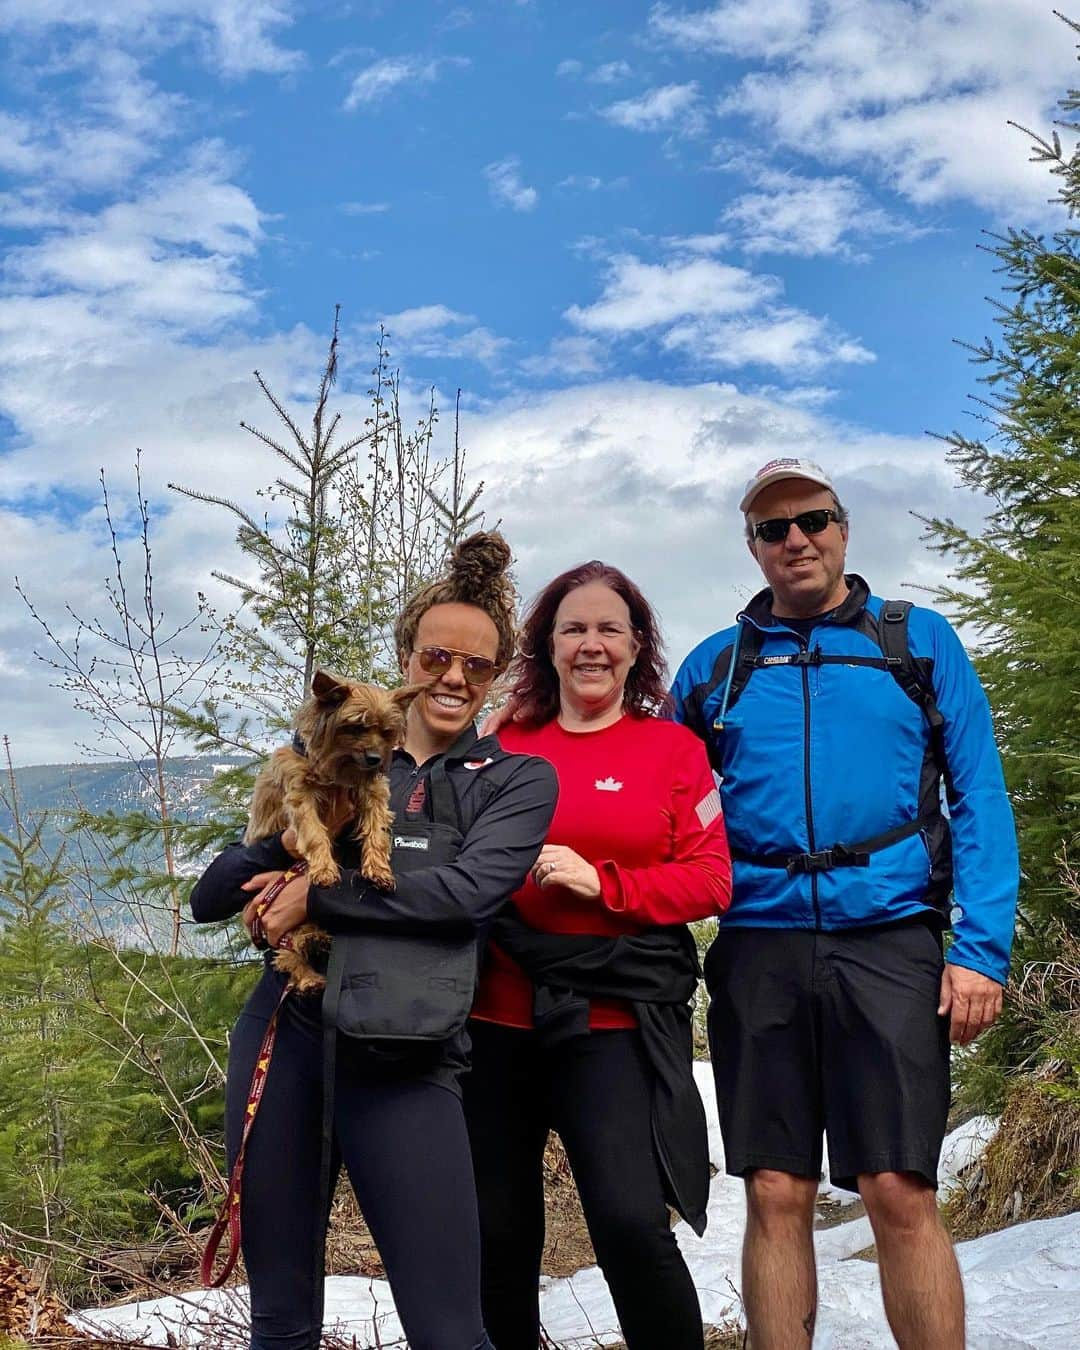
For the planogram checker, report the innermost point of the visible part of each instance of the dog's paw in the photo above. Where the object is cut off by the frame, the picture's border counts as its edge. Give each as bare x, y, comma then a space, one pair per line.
324, 873
310, 940
302, 979
286, 962
307, 981
379, 874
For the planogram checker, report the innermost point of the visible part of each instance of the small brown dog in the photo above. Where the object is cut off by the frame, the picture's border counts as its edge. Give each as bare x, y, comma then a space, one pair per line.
334, 770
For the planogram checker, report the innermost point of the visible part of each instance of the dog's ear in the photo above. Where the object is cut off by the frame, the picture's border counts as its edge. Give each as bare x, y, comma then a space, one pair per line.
328, 688
404, 696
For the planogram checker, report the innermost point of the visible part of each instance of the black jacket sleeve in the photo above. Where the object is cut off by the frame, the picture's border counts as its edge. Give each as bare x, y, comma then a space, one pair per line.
217, 894
499, 848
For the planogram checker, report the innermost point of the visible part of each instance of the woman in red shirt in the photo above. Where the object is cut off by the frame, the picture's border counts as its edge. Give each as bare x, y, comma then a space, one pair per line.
593, 1039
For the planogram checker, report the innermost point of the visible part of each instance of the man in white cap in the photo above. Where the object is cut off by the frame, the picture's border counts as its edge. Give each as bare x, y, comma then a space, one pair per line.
832, 718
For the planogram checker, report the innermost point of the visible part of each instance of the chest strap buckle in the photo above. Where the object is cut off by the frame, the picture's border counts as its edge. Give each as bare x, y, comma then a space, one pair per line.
826, 859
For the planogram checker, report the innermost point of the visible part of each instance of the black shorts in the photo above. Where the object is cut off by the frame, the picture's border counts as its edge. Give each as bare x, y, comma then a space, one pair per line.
835, 1032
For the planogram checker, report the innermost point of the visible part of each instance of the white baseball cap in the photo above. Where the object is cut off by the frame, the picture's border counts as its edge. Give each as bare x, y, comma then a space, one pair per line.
776, 469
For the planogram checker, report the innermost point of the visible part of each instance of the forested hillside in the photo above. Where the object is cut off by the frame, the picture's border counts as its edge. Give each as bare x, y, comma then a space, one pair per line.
63, 792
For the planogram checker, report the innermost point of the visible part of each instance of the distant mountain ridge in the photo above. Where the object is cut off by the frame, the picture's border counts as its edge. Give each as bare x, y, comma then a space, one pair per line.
60, 790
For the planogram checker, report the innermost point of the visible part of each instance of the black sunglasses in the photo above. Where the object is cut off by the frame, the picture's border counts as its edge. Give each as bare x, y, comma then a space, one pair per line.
810, 522
438, 660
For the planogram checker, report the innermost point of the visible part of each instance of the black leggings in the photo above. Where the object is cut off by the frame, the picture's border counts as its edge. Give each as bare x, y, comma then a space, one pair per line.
596, 1091
407, 1155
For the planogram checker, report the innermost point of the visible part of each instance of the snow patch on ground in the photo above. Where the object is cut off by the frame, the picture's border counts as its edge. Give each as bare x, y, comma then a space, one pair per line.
1022, 1284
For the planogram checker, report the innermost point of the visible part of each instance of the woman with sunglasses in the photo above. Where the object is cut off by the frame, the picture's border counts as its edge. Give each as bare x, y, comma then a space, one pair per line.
582, 1022
367, 1073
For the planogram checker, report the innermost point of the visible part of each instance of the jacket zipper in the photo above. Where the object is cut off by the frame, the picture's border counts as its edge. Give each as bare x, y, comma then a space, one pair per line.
806, 786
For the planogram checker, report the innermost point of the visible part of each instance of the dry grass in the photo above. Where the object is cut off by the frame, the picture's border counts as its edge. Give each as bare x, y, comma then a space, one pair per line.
567, 1245
1031, 1168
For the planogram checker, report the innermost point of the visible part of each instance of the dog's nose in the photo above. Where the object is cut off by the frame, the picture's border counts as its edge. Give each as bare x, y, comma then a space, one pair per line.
372, 760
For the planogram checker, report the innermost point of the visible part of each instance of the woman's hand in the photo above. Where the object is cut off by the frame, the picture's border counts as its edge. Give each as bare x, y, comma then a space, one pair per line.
500, 716
496, 719
287, 912
558, 865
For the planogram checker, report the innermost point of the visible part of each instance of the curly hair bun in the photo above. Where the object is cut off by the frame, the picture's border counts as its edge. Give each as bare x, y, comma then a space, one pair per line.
478, 573
478, 561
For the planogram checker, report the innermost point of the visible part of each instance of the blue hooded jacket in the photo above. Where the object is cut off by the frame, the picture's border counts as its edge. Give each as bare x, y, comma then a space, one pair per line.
814, 755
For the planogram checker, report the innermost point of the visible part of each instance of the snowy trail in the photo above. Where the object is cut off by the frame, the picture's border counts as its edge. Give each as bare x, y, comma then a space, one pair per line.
1022, 1284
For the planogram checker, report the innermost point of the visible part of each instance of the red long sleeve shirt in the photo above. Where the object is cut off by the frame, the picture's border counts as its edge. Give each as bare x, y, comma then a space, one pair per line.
636, 799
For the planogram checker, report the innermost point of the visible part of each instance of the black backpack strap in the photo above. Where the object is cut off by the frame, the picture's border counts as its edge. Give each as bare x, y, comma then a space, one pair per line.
745, 653
839, 855
913, 677
445, 807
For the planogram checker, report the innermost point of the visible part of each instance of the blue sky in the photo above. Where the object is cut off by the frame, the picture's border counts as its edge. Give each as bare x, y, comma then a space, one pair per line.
654, 244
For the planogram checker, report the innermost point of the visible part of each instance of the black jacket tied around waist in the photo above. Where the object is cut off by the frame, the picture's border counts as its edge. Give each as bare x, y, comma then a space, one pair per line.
656, 972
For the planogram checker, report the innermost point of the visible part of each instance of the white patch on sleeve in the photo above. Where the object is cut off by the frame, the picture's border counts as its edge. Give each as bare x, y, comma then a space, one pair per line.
709, 808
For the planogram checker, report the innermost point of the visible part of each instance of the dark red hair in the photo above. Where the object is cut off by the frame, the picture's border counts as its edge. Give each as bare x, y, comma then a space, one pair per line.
534, 693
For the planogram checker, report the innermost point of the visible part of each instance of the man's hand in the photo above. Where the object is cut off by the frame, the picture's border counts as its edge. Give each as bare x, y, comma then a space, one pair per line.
558, 865
973, 1000
287, 912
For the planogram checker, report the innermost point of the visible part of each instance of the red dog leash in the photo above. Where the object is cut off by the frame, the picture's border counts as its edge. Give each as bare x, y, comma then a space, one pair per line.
229, 1218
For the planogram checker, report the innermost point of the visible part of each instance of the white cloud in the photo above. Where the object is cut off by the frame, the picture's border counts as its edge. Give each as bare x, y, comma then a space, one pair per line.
588, 182
810, 217
363, 208
567, 358
242, 33
31, 209
698, 243
714, 314
382, 77
237, 37
171, 255
458, 18
477, 344
670, 107
640, 295
611, 72
915, 93
118, 129
506, 186
765, 28
424, 331
409, 323
783, 339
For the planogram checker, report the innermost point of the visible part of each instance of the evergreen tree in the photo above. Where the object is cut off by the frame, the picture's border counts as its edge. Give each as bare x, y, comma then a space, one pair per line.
111, 1096
352, 530
53, 1109
305, 603
1018, 578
